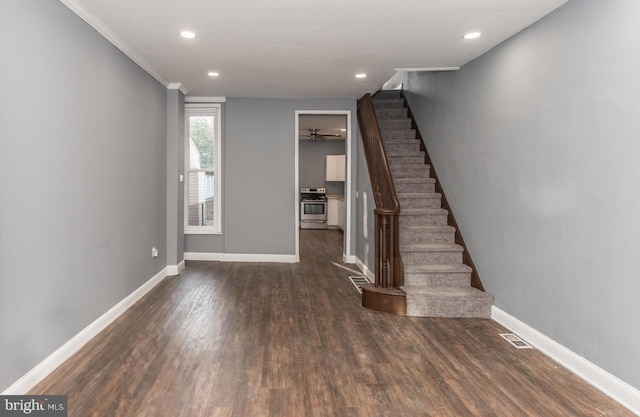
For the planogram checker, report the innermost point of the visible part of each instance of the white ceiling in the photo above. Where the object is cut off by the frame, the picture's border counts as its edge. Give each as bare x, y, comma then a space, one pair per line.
302, 48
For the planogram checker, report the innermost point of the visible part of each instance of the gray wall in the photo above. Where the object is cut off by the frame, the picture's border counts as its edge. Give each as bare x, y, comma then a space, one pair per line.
313, 167
83, 180
537, 147
259, 176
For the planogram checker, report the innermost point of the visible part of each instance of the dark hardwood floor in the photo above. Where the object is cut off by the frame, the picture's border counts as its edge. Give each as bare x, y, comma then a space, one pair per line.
253, 340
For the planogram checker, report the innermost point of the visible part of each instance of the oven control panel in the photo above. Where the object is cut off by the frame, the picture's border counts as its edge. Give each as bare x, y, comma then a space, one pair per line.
308, 190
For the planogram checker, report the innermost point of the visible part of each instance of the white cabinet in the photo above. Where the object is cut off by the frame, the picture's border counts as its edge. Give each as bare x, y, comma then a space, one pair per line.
332, 211
335, 212
335, 168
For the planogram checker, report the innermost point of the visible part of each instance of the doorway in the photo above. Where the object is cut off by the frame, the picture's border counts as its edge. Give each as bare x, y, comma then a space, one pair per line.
318, 134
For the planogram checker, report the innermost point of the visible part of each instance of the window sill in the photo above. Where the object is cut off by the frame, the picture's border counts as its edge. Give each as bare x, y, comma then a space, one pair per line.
201, 232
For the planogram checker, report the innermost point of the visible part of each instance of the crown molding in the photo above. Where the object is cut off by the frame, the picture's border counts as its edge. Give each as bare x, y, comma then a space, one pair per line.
178, 86
86, 15
205, 99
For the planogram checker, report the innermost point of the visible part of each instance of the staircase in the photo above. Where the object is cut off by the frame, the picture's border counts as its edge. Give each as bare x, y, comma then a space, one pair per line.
436, 281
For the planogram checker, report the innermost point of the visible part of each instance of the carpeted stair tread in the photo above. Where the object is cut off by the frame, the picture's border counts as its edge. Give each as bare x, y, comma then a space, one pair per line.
436, 268
388, 103
406, 141
392, 113
405, 153
431, 228
468, 293
417, 195
389, 92
415, 180
415, 211
395, 135
431, 247
411, 167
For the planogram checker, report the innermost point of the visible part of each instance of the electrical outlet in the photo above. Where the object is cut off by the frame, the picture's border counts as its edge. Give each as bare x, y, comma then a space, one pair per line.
154, 252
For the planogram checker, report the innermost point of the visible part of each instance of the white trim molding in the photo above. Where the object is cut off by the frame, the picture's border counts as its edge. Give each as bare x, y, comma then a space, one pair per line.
178, 86
609, 384
349, 259
64, 352
196, 99
239, 257
175, 269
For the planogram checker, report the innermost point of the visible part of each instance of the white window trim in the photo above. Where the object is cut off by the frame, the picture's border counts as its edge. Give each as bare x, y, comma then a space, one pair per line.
215, 110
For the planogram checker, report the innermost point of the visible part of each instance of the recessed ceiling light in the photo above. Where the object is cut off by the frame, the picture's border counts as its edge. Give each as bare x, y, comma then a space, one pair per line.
472, 35
212, 74
187, 34
361, 75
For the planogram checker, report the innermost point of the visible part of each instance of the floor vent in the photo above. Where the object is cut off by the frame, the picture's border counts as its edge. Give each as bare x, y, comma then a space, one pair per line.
515, 341
358, 281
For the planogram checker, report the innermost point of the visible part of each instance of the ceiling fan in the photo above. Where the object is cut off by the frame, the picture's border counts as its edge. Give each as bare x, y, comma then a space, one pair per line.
314, 134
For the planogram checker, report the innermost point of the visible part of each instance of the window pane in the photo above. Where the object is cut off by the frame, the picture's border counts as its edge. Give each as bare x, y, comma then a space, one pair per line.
200, 198
201, 133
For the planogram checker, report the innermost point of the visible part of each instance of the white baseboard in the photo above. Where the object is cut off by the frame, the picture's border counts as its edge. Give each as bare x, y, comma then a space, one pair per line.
239, 257
175, 269
612, 386
64, 352
349, 259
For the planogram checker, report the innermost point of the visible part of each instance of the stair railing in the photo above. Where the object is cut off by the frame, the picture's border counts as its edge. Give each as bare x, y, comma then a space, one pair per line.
389, 270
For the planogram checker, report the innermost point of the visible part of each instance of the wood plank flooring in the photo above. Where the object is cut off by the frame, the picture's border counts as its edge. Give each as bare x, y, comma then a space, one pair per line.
267, 340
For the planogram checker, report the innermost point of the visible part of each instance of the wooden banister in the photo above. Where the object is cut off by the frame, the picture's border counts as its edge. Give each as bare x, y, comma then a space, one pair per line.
385, 294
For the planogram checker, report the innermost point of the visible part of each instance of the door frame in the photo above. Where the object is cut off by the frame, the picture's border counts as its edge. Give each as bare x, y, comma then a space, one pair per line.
346, 243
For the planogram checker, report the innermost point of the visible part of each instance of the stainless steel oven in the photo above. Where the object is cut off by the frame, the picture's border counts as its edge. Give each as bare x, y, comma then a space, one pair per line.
313, 208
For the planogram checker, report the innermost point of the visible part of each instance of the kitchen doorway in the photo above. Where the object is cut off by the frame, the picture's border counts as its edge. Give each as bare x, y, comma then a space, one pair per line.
323, 153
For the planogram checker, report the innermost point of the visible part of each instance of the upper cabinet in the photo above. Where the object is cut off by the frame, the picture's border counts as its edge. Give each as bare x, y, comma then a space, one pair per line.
335, 168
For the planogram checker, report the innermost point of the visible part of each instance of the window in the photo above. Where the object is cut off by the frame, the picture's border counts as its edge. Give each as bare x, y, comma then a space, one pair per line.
202, 169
